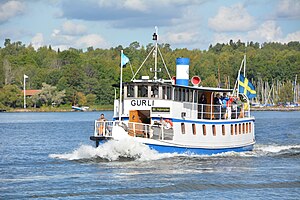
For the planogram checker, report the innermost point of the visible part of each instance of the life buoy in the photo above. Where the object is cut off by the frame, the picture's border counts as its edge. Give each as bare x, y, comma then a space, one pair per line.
168, 124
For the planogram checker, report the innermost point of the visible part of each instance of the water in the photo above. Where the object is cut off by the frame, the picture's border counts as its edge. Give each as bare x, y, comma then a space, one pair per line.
50, 156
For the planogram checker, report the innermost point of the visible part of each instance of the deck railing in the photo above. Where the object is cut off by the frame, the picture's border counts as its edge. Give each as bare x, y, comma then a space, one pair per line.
208, 111
104, 128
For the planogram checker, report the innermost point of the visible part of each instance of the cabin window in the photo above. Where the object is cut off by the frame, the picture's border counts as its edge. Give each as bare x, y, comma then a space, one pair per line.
177, 94
182, 95
240, 128
223, 129
243, 128
154, 91
232, 129
190, 95
142, 91
236, 129
130, 91
250, 127
247, 127
214, 130
167, 92
204, 129
195, 97
194, 129
182, 128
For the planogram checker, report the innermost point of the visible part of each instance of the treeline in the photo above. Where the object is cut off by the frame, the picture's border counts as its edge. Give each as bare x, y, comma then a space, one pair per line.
87, 77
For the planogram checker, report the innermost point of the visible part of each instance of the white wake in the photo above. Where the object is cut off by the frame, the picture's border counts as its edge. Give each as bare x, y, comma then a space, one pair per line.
114, 150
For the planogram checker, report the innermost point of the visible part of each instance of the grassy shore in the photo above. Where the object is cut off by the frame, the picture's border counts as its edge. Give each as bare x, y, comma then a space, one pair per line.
110, 107
59, 109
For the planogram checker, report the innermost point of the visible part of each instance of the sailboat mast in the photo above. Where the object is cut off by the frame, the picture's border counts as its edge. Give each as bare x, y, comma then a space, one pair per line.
155, 38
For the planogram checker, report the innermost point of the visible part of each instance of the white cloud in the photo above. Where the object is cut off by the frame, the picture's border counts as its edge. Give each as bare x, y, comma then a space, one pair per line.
72, 28
10, 9
91, 40
292, 37
268, 31
185, 37
37, 41
288, 8
136, 5
234, 18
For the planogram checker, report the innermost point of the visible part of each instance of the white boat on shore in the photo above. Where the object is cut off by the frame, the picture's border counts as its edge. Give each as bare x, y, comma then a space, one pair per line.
169, 116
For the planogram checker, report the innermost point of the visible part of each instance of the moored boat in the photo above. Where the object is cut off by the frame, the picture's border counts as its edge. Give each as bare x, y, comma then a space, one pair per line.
173, 116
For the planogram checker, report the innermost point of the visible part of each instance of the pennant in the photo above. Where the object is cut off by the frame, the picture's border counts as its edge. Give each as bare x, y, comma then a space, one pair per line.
124, 59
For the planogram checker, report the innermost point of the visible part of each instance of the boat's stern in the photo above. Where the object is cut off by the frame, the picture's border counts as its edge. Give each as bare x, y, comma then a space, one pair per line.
108, 130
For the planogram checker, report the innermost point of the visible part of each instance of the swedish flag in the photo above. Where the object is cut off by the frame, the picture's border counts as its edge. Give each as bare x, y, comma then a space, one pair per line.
246, 87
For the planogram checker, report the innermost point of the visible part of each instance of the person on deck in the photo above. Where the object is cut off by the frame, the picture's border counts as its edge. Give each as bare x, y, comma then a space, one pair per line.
201, 106
217, 106
101, 124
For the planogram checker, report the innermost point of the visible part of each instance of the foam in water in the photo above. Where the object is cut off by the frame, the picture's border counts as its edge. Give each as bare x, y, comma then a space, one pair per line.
113, 150
127, 148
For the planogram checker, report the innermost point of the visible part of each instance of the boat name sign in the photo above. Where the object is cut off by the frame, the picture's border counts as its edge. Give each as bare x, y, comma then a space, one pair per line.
142, 102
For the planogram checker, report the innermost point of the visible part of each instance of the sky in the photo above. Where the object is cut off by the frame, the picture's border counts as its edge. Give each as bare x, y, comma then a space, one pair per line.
191, 24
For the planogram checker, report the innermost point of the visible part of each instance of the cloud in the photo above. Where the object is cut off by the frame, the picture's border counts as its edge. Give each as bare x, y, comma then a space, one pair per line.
288, 9
37, 41
267, 31
125, 14
60, 39
178, 38
10, 9
72, 28
292, 37
91, 40
230, 19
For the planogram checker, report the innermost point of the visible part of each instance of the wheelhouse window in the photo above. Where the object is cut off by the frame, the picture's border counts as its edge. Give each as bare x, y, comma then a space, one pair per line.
142, 91
130, 91
154, 91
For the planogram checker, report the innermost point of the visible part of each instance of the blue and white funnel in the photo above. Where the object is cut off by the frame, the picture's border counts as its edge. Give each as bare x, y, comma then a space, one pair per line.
182, 71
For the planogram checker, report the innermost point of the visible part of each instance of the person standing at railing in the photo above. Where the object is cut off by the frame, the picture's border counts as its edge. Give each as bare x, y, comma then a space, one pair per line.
217, 106
224, 99
228, 107
101, 124
201, 106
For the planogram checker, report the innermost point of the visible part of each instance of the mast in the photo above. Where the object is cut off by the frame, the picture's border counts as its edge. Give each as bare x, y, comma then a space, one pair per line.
121, 84
155, 38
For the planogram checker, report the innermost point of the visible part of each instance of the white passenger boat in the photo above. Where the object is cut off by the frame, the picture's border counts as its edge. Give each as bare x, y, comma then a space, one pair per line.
169, 116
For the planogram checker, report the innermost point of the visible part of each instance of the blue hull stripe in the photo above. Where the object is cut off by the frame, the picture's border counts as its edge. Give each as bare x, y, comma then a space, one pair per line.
194, 121
200, 151
205, 122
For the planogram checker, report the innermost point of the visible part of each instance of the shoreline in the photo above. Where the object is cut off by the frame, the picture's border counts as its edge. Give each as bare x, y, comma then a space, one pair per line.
109, 109
275, 108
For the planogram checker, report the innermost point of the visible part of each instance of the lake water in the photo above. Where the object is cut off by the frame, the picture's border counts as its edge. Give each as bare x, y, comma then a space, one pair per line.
50, 156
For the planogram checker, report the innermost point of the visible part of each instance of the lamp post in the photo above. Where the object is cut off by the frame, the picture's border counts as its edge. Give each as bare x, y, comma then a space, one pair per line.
25, 76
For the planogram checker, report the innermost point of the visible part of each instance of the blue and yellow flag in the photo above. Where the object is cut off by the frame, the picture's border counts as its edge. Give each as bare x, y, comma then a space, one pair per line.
246, 87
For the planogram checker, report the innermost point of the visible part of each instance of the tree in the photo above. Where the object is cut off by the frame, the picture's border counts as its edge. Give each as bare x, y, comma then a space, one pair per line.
50, 95
11, 96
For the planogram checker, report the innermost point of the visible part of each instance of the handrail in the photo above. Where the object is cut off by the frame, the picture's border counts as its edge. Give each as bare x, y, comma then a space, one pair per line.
212, 112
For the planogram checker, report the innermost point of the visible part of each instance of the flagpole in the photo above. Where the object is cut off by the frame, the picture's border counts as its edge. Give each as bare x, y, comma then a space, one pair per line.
24, 91
121, 77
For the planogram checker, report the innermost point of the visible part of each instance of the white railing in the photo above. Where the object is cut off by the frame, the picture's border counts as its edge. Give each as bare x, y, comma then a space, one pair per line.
208, 111
134, 129
104, 128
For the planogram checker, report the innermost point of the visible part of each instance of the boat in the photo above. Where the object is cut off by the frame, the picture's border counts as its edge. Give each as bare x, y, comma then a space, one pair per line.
77, 108
168, 116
